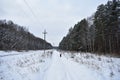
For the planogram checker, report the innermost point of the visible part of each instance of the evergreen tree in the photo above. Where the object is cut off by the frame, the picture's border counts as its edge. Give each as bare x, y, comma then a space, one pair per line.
77, 37
107, 26
102, 36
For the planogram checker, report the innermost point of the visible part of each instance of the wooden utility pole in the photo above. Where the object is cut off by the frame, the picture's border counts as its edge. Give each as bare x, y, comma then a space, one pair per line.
44, 39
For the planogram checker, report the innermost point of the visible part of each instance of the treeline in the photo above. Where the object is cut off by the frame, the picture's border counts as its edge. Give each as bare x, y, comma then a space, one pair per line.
99, 33
15, 37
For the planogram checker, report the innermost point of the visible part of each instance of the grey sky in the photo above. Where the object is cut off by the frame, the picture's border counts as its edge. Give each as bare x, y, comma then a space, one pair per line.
56, 16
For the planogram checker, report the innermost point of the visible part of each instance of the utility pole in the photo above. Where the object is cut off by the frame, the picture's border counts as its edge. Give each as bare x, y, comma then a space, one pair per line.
44, 33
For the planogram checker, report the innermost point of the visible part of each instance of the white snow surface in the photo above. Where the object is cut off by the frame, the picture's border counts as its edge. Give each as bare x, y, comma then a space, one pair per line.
37, 65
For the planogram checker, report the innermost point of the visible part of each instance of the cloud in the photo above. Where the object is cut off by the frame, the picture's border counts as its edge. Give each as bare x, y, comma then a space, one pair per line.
56, 16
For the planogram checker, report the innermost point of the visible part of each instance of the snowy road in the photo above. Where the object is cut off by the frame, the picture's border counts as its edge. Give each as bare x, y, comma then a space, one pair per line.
37, 65
62, 68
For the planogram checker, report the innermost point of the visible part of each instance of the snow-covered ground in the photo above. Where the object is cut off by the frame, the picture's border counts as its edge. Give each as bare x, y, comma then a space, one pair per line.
105, 66
23, 65
37, 65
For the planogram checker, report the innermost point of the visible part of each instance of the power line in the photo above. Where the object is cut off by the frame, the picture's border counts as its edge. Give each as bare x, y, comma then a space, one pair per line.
29, 8
36, 18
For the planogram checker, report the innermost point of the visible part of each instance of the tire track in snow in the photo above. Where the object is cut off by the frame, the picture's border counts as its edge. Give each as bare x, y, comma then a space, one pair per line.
55, 70
68, 76
71, 74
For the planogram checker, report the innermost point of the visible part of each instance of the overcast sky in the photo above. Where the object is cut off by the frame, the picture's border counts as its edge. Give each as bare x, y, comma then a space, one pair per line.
56, 16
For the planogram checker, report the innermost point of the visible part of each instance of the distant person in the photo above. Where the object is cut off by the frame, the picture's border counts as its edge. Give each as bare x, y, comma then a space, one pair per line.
60, 55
